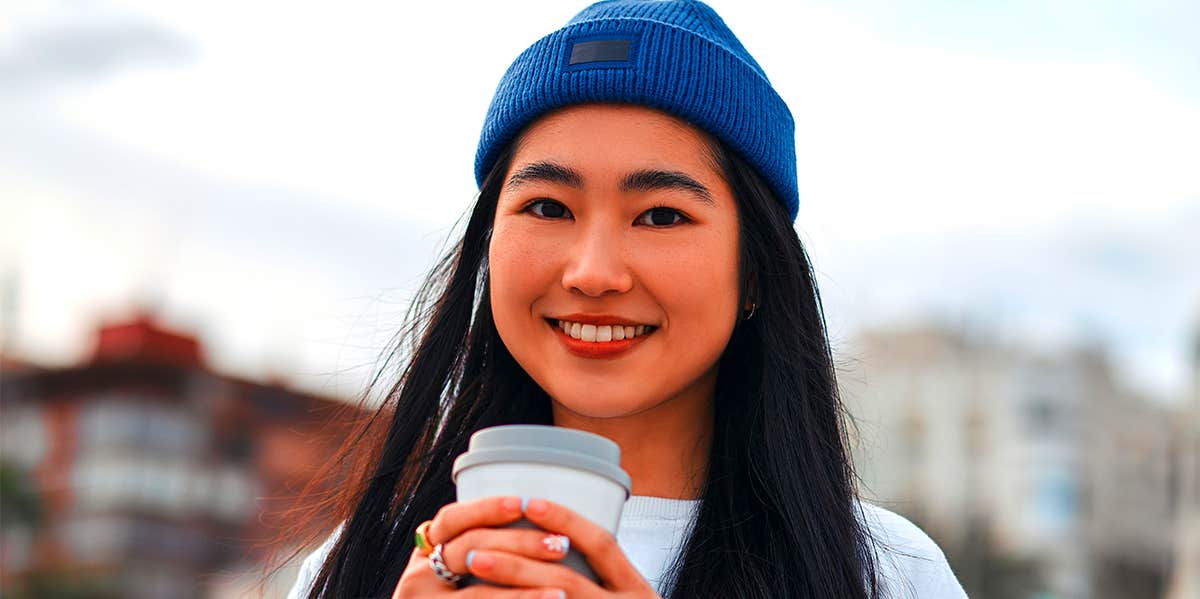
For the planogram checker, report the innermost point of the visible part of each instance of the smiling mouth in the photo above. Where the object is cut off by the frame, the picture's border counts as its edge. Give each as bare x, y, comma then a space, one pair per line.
591, 333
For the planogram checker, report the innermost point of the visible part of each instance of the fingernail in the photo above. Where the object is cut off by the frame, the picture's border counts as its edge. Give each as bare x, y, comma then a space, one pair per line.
557, 543
512, 503
480, 561
537, 506
524, 504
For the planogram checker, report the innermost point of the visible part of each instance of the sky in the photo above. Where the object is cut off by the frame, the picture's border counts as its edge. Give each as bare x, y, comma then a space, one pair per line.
278, 176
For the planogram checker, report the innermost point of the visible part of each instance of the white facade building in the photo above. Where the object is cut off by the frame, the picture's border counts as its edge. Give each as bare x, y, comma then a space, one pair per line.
1185, 571
1041, 454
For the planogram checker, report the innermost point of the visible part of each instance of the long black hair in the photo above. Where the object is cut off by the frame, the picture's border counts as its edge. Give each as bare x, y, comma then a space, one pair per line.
778, 515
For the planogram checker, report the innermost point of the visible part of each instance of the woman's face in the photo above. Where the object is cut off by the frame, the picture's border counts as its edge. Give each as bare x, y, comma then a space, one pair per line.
614, 259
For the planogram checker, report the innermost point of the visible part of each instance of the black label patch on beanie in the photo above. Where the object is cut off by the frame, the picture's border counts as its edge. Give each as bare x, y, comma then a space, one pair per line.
601, 51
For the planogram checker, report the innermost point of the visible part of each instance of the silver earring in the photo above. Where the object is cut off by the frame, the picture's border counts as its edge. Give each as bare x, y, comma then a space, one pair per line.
747, 315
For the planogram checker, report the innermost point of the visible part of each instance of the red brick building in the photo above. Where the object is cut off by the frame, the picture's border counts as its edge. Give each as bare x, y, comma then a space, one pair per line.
151, 471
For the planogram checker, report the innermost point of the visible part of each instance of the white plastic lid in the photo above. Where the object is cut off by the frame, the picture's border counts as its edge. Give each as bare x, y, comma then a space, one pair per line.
546, 445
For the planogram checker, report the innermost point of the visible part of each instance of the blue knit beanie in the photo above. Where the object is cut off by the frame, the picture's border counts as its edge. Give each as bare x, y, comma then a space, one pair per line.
674, 55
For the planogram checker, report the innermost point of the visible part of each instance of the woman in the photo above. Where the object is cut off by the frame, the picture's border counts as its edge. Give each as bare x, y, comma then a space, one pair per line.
629, 269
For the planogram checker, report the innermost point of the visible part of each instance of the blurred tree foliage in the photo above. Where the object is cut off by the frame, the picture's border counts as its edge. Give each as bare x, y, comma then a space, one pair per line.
60, 584
20, 502
22, 508
987, 573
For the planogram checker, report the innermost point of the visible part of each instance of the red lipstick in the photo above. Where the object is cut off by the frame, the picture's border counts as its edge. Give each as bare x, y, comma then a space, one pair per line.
597, 319
599, 349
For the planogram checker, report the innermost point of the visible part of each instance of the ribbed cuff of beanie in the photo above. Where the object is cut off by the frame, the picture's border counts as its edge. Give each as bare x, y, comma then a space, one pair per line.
662, 66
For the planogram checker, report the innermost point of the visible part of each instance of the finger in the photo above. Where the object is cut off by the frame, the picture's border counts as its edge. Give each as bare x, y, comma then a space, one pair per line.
455, 518
597, 544
480, 591
511, 570
536, 544
418, 580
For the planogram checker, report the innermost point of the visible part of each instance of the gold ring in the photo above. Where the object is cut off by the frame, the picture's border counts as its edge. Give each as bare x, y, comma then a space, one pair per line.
421, 538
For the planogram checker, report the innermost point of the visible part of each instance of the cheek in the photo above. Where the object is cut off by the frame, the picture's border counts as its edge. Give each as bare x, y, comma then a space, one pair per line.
697, 280
518, 273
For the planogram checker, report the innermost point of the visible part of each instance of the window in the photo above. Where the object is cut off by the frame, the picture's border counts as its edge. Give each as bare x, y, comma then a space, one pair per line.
237, 493
126, 421
1056, 499
97, 538
1043, 416
23, 435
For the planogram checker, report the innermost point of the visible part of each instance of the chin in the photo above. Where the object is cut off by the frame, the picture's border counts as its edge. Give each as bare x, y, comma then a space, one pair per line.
599, 404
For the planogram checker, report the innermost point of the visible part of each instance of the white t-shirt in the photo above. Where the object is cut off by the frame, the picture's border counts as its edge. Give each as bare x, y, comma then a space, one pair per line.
652, 531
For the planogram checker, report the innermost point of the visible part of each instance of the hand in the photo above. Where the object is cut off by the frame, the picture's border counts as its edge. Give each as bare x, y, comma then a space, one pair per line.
463, 527
522, 569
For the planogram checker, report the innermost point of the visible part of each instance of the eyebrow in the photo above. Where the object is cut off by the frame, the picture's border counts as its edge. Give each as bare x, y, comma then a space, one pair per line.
545, 171
642, 180
652, 179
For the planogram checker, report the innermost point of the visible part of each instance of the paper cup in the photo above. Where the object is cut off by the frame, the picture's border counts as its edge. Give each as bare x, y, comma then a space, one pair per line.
579, 470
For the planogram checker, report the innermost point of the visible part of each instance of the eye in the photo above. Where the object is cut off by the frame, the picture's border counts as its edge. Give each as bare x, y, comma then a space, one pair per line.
547, 209
661, 216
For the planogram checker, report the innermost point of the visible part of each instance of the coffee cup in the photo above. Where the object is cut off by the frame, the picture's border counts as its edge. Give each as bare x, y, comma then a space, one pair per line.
579, 470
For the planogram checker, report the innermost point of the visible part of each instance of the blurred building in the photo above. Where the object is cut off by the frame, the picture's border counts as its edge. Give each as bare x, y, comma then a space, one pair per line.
152, 472
1040, 456
1185, 573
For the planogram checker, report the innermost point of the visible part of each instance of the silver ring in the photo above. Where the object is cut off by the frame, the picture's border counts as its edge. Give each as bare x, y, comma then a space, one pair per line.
438, 565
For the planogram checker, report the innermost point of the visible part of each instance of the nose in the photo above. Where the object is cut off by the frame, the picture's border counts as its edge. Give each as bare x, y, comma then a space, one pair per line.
597, 264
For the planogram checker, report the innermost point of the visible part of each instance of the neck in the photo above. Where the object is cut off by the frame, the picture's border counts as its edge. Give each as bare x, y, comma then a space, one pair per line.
664, 448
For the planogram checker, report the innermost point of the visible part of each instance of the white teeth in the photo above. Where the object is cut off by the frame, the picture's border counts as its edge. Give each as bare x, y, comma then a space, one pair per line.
602, 333
588, 332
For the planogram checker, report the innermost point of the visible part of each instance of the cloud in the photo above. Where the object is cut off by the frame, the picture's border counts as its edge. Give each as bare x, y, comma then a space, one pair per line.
272, 278
935, 179
1126, 281
87, 42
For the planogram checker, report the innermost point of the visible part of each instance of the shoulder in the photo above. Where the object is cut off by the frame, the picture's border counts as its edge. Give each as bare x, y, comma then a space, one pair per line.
908, 562
312, 565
